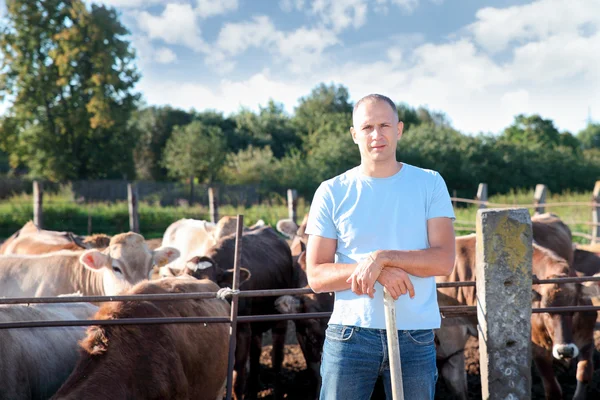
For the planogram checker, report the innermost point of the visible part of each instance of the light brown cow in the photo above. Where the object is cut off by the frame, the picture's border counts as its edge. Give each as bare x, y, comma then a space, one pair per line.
170, 361
563, 336
35, 362
191, 237
125, 262
551, 232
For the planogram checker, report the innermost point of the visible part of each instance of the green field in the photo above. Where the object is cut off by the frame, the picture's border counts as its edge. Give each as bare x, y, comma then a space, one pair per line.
62, 213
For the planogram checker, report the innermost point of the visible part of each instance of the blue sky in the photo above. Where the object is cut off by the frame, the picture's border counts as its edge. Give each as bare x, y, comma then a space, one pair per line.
479, 61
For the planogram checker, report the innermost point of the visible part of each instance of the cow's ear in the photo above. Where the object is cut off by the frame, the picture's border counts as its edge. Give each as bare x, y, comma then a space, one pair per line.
287, 228
164, 255
289, 305
95, 260
95, 342
591, 288
226, 278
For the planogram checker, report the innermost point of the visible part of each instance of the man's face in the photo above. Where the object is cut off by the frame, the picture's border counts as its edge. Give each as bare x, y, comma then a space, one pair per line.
376, 131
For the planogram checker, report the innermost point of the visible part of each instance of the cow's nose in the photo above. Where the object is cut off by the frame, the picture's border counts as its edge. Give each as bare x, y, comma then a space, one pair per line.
565, 351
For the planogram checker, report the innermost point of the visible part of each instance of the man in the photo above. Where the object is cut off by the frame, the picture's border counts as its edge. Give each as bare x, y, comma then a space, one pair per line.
383, 224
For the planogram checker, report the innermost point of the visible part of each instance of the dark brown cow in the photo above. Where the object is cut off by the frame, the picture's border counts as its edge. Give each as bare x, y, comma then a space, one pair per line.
551, 232
564, 336
170, 361
310, 333
269, 262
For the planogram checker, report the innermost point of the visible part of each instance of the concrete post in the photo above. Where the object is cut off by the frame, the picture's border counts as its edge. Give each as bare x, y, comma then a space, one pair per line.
482, 194
292, 200
503, 270
539, 198
213, 204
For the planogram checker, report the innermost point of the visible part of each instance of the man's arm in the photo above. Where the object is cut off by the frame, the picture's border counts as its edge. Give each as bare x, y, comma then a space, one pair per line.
437, 260
323, 274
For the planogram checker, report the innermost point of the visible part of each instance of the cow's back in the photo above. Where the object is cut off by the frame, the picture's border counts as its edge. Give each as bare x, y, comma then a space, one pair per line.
34, 362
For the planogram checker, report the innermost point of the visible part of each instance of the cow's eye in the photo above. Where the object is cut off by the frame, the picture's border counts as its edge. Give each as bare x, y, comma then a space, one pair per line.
117, 270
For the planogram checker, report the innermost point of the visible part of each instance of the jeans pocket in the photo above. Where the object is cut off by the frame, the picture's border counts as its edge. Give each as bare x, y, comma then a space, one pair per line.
340, 333
423, 337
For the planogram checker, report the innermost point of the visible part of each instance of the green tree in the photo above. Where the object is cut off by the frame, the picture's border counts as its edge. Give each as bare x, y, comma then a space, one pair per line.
70, 74
195, 150
154, 126
590, 136
533, 130
322, 101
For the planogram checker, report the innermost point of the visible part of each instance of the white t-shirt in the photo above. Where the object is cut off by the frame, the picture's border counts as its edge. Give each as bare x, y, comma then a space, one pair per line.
365, 214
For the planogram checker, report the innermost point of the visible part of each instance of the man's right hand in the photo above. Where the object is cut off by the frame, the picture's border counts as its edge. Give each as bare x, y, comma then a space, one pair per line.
397, 282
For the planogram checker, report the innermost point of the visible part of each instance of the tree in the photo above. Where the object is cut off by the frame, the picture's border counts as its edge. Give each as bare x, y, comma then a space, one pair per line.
322, 101
195, 150
154, 126
590, 136
533, 130
71, 75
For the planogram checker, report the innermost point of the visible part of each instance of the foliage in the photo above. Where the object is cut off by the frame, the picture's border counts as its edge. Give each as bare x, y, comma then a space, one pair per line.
195, 150
590, 136
70, 75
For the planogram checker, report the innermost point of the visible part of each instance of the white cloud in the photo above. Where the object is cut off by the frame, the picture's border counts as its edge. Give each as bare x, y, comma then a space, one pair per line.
211, 8
304, 47
407, 5
496, 28
129, 4
234, 38
341, 14
164, 55
176, 25
290, 5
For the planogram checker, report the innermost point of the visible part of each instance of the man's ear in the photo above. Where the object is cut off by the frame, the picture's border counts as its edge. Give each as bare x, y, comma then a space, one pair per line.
95, 260
400, 129
353, 133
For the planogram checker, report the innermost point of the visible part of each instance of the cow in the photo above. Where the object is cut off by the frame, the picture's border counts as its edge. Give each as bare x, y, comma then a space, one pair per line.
310, 333
191, 237
35, 362
159, 361
551, 232
269, 262
124, 262
32, 240
296, 234
562, 336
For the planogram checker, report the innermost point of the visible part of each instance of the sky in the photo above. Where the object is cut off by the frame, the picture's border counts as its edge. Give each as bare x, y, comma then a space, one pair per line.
479, 61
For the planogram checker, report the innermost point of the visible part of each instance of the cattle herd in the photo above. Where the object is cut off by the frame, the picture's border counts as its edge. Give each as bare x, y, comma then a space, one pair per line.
189, 361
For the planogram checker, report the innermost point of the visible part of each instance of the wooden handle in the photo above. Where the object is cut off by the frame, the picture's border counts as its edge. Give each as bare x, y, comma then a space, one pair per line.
393, 346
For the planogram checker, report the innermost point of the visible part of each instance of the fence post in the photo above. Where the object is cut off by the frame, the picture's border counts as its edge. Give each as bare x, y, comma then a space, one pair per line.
503, 270
596, 213
539, 198
454, 195
191, 190
292, 200
132, 199
482, 194
213, 204
38, 204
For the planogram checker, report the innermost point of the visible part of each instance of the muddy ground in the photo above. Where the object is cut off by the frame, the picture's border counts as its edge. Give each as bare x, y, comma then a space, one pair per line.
297, 386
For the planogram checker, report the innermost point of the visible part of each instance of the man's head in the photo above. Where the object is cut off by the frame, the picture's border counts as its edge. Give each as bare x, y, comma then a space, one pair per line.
376, 129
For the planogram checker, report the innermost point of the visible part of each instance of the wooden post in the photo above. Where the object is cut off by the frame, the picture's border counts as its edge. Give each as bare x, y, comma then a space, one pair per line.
213, 204
292, 200
393, 346
132, 198
454, 194
234, 305
191, 190
89, 228
482, 194
596, 213
503, 271
38, 204
539, 198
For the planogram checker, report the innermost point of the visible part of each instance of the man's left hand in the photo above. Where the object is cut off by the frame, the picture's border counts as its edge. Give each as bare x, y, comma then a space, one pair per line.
364, 276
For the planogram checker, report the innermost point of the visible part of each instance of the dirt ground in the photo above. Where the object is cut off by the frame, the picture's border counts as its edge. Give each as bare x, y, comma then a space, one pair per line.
296, 384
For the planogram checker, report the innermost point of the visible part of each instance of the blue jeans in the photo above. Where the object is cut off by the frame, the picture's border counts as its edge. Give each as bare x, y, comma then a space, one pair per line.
353, 359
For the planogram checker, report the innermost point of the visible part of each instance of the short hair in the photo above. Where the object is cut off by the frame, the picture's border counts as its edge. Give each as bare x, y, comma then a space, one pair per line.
375, 97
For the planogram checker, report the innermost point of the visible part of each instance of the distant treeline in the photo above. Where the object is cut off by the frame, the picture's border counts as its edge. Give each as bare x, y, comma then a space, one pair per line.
75, 116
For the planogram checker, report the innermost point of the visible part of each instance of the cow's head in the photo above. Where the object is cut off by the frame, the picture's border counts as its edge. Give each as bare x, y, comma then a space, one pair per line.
556, 328
126, 261
206, 268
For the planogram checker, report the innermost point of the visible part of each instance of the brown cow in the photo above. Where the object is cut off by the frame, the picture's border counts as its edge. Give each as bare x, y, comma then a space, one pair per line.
269, 261
564, 336
551, 232
296, 234
169, 361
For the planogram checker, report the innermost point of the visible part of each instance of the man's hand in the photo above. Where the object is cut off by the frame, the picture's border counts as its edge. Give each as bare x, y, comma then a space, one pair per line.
364, 276
397, 282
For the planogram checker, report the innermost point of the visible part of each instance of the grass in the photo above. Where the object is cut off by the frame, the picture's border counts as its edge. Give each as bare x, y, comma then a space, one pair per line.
64, 214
